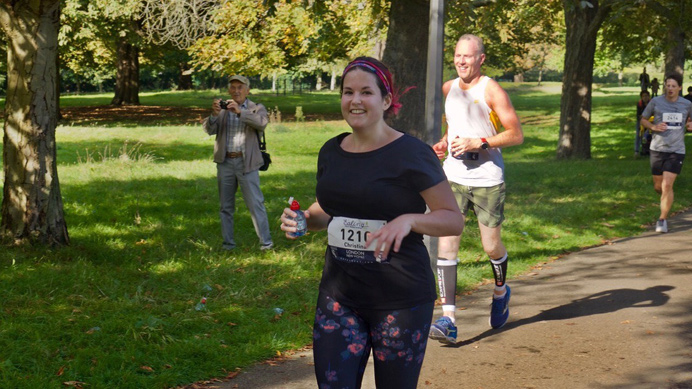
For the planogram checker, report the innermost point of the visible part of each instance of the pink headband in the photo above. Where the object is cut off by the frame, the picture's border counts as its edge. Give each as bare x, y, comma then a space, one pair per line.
379, 73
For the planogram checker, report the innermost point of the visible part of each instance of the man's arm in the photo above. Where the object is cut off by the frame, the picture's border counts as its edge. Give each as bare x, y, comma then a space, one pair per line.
440, 147
256, 116
498, 101
211, 123
648, 111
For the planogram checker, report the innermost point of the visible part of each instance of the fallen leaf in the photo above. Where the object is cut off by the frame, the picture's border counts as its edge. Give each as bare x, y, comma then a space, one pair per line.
76, 384
147, 369
61, 371
232, 375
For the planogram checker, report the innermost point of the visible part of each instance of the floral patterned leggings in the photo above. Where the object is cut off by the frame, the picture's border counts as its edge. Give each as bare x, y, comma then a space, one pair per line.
343, 338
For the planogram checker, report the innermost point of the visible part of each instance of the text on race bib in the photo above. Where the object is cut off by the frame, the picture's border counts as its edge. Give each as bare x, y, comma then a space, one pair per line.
347, 237
673, 120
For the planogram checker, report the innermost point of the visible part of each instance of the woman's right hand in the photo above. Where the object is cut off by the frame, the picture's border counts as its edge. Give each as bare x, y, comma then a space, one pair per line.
288, 224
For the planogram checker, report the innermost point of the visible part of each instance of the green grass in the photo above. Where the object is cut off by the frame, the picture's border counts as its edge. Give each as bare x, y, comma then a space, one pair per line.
116, 308
314, 103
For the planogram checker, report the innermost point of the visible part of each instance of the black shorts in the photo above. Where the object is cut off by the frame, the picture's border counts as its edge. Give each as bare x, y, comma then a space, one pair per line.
665, 162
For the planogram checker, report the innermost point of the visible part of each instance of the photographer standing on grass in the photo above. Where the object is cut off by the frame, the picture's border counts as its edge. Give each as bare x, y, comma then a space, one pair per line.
672, 115
238, 124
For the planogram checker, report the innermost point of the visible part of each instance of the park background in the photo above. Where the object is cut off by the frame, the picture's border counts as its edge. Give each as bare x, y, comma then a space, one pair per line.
116, 307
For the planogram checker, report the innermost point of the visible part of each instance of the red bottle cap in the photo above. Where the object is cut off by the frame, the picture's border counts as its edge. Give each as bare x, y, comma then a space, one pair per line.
295, 206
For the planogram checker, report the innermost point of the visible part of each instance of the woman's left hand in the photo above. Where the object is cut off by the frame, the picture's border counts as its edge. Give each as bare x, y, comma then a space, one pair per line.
389, 237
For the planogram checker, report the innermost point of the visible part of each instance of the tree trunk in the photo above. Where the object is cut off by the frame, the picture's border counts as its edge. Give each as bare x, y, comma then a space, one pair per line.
406, 54
583, 20
185, 77
32, 208
675, 55
127, 77
332, 81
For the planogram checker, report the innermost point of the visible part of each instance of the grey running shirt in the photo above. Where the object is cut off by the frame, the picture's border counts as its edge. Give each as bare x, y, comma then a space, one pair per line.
675, 114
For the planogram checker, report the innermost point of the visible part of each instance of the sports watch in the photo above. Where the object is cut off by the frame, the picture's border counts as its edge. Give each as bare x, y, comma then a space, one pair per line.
484, 145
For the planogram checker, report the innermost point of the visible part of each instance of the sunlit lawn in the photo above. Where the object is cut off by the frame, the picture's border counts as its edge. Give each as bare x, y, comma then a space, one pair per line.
117, 307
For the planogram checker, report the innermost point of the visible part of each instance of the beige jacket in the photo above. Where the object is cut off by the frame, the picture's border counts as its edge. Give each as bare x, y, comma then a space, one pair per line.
255, 118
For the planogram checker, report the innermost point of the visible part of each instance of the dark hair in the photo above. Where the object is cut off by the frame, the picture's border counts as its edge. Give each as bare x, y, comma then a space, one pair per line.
689, 89
644, 92
383, 77
674, 76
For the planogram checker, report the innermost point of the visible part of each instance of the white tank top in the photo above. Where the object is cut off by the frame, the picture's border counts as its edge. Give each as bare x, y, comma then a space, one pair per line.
468, 116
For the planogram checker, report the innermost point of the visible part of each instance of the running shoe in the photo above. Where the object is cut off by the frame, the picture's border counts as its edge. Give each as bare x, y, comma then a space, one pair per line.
444, 330
662, 226
499, 313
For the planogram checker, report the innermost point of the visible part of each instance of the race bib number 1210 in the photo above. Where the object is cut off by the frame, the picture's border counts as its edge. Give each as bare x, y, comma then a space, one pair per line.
347, 237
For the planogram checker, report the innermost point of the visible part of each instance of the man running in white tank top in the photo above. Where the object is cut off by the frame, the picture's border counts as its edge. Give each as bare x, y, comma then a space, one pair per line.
475, 107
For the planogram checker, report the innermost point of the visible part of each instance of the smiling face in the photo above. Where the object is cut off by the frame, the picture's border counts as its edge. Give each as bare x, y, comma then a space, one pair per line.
362, 104
238, 91
468, 59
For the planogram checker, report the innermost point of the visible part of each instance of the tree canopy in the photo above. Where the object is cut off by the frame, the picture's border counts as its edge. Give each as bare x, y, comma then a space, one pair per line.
257, 37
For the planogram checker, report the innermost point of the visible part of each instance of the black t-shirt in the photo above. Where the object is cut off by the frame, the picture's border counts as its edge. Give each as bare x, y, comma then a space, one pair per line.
378, 185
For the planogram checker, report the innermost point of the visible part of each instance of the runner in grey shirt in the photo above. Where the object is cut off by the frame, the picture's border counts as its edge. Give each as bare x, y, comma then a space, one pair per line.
672, 118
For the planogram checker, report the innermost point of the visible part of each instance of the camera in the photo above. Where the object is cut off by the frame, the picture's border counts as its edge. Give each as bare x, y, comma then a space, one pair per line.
223, 104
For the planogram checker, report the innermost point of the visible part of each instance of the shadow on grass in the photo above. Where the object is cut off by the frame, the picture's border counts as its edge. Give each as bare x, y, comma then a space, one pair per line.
143, 252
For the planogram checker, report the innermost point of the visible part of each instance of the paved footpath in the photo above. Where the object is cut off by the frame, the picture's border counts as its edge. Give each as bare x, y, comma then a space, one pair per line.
612, 317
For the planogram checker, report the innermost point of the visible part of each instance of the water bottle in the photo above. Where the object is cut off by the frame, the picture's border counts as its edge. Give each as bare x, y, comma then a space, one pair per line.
467, 156
302, 226
201, 305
